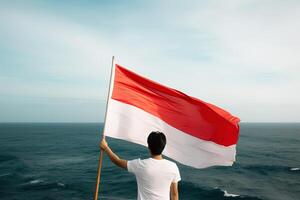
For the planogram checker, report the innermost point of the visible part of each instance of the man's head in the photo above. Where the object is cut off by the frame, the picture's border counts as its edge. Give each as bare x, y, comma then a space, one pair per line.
156, 142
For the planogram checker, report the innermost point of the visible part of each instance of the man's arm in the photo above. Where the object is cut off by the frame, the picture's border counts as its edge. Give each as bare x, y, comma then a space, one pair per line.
113, 157
174, 191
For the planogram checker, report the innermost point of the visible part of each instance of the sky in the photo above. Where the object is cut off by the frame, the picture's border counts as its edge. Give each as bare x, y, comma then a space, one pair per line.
55, 56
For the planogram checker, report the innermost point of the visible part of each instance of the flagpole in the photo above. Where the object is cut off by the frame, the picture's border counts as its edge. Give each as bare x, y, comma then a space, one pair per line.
103, 136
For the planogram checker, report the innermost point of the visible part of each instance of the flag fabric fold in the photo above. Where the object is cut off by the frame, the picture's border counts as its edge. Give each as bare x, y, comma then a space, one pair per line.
199, 134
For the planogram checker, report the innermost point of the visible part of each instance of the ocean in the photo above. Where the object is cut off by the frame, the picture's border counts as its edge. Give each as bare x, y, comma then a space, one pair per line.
47, 161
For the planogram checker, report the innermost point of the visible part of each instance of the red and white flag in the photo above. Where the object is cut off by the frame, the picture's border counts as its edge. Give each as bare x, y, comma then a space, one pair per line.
198, 133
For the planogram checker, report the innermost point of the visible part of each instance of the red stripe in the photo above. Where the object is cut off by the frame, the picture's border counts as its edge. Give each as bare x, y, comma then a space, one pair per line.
188, 114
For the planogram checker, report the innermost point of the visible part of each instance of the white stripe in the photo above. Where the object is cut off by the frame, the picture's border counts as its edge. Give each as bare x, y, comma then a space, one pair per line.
130, 123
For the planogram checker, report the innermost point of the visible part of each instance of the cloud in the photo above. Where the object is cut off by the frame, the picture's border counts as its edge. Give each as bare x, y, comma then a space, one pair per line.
252, 34
236, 54
57, 47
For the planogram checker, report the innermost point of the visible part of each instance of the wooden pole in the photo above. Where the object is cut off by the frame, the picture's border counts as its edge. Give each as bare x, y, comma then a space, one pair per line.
103, 136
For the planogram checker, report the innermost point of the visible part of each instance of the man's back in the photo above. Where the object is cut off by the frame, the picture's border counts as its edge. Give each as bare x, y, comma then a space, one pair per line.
154, 177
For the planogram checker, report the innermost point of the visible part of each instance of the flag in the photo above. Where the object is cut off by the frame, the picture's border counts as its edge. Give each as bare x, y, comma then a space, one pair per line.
199, 134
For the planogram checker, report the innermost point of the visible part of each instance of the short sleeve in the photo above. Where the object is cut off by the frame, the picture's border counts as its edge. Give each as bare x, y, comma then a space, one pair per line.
177, 177
132, 165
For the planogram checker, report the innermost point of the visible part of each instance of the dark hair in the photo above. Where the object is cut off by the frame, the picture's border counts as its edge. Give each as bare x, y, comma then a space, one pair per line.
156, 142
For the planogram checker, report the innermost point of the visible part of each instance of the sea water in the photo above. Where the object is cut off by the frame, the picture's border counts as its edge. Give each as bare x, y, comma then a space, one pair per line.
59, 161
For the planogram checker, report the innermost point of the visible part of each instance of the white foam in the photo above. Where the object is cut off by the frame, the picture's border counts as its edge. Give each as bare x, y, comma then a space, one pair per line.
61, 184
226, 194
36, 181
66, 160
295, 169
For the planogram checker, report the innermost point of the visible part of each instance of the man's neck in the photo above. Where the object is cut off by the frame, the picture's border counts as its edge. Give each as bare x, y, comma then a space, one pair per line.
157, 157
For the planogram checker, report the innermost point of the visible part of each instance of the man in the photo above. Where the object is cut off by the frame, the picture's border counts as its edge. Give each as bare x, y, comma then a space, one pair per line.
156, 177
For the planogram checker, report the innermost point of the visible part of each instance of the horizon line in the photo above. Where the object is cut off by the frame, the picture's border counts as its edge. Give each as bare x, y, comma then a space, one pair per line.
91, 122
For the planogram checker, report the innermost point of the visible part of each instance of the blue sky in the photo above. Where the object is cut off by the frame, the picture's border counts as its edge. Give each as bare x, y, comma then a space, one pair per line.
240, 55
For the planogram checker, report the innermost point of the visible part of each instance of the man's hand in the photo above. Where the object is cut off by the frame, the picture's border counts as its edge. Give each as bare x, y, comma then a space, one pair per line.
103, 144
112, 156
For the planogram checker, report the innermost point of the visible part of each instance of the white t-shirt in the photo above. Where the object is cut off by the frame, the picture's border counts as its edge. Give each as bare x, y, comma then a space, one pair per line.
154, 177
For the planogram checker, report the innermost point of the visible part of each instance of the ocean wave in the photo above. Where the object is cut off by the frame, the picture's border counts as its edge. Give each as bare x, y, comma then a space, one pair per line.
226, 194
266, 169
194, 191
66, 160
61, 184
36, 181
4, 158
12, 165
40, 184
3, 175
295, 169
